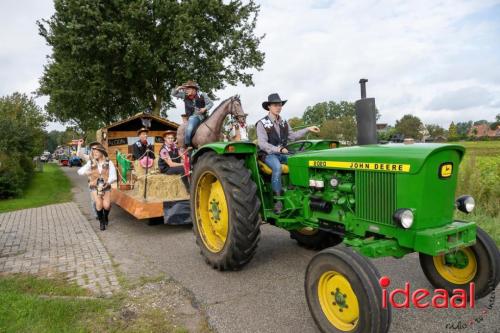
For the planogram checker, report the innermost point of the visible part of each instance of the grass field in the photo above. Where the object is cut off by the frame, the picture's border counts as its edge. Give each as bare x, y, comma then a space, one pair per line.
479, 176
48, 187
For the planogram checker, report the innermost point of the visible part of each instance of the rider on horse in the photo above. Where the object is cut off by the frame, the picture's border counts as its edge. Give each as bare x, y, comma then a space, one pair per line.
197, 105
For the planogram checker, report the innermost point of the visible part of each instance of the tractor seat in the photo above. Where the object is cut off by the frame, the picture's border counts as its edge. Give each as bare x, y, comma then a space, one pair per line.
265, 169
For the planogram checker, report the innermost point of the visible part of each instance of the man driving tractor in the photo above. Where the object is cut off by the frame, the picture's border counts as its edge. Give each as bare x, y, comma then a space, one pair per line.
273, 134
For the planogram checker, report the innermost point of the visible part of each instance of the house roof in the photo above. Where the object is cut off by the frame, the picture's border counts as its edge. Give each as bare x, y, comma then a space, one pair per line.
135, 122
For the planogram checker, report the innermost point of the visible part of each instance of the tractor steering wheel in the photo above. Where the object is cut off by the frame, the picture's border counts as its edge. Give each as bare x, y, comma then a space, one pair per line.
298, 147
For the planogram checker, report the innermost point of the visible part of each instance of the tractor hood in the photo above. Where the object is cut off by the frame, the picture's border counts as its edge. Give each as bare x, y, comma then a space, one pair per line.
388, 157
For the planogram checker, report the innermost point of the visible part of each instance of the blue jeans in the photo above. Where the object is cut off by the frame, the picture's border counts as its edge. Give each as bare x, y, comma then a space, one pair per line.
274, 161
193, 123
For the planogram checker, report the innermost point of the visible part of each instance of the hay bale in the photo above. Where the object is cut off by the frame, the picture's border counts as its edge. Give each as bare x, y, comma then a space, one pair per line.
162, 187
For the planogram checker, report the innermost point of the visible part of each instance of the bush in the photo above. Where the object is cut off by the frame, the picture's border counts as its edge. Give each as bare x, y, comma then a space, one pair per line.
479, 176
13, 178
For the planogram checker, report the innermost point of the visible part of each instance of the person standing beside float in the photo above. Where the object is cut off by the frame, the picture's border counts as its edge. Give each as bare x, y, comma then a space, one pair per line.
196, 103
101, 173
81, 154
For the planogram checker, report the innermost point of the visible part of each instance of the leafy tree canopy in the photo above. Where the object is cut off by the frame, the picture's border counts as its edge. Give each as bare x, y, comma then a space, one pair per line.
410, 126
112, 59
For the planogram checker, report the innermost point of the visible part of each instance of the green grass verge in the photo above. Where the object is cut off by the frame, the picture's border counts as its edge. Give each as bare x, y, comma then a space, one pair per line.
48, 187
24, 309
32, 304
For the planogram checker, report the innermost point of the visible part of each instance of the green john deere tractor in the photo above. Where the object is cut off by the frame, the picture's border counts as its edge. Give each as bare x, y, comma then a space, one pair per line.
378, 200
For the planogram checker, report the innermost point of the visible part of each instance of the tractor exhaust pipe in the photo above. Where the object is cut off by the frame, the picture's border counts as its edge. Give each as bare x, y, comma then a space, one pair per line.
366, 117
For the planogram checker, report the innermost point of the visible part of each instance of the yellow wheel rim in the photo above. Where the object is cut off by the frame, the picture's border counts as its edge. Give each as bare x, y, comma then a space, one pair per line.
212, 217
338, 301
454, 274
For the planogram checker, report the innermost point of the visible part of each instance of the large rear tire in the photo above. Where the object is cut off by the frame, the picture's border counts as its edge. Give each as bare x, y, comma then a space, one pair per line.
225, 211
343, 293
315, 239
479, 263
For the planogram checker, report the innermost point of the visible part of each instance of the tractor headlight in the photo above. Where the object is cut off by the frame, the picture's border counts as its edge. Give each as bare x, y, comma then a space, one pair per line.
465, 203
404, 217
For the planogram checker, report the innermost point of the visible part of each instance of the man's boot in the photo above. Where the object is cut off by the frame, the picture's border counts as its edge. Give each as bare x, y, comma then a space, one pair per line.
102, 224
278, 205
106, 213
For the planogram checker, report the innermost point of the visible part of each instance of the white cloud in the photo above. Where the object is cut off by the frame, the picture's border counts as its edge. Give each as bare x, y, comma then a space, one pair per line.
412, 52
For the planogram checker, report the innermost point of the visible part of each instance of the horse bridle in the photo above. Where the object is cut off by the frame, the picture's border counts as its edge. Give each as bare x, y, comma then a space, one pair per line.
230, 112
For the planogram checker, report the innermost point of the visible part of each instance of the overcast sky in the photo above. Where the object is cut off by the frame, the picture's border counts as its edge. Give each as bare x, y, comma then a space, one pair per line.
438, 60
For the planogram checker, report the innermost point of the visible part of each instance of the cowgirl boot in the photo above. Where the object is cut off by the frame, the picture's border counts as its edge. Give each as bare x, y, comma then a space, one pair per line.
102, 223
106, 213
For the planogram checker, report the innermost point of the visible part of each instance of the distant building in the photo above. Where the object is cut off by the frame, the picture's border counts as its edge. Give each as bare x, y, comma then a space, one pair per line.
382, 127
483, 130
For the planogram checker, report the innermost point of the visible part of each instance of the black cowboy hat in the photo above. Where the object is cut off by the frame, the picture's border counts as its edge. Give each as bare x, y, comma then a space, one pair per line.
144, 129
94, 143
273, 98
101, 149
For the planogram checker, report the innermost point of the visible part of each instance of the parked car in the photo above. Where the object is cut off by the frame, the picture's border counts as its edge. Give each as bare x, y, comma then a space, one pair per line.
75, 161
64, 160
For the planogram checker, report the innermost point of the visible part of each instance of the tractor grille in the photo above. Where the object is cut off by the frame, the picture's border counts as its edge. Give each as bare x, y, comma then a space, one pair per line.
375, 196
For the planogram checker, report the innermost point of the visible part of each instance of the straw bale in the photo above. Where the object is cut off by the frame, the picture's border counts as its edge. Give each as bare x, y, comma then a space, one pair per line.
162, 187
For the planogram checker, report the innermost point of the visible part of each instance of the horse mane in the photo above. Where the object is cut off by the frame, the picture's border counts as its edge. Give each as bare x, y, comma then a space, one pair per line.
237, 97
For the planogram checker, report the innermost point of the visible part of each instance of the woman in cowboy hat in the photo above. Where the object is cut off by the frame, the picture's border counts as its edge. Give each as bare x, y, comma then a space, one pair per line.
171, 161
80, 153
273, 134
197, 105
101, 173
142, 148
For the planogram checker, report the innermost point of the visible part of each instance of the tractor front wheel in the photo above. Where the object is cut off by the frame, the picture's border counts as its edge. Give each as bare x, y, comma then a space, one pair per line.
225, 211
315, 239
479, 263
343, 293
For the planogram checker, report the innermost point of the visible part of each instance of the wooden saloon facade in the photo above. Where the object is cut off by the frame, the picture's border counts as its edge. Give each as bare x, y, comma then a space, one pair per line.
120, 136
151, 194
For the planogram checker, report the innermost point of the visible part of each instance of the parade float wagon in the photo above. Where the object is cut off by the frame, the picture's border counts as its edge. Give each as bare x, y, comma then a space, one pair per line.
377, 200
144, 193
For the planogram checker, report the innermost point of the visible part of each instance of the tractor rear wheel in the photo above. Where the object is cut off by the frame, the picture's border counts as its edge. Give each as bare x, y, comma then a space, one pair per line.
225, 209
315, 239
479, 263
343, 293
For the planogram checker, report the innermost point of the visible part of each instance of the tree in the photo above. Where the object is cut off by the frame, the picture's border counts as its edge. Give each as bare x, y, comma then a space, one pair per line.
463, 129
342, 129
22, 125
452, 132
494, 125
23, 137
321, 112
434, 130
296, 123
410, 126
115, 58
481, 122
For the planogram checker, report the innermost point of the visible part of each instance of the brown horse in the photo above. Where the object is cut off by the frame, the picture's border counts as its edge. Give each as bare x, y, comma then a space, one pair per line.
210, 129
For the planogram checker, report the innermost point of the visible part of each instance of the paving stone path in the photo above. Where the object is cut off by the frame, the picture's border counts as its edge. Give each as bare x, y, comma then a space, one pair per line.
52, 240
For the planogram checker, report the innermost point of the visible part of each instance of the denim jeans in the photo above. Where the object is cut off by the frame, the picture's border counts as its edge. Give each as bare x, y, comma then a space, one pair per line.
274, 161
193, 123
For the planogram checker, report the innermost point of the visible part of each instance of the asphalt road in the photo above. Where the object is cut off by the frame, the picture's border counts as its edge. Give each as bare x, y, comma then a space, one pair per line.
268, 294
